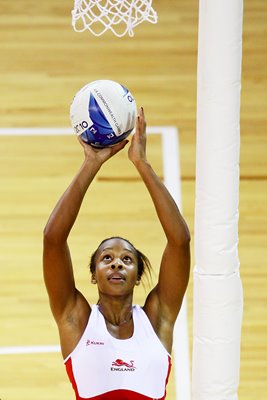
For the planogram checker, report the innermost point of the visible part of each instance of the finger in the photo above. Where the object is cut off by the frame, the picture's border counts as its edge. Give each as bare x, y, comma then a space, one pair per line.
143, 117
80, 140
138, 125
118, 147
141, 122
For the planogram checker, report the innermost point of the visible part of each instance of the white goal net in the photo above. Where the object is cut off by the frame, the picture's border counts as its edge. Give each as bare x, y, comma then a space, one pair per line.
119, 16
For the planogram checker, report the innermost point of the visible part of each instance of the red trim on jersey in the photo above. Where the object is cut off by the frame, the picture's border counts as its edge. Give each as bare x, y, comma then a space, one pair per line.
168, 375
69, 369
120, 394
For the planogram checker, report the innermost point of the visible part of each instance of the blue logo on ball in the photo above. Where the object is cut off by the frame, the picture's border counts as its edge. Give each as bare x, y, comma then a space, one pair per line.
99, 134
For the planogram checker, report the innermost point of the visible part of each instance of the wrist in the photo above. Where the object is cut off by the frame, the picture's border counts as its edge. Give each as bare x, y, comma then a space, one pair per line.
141, 163
91, 165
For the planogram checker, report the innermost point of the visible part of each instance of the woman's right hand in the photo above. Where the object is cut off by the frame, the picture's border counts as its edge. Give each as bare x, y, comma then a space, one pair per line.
100, 155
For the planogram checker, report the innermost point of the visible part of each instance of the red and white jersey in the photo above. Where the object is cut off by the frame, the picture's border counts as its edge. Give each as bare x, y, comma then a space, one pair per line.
102, 367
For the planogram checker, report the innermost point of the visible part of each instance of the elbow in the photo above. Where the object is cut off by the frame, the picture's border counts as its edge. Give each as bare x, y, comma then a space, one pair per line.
187, 236
50, 235
184, 240
181, 238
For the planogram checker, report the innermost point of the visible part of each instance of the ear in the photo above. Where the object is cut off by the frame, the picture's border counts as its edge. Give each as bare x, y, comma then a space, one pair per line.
137, 283
93, 279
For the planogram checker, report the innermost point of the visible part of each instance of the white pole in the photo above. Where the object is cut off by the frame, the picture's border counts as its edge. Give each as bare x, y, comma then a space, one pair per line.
217, 286
172, 180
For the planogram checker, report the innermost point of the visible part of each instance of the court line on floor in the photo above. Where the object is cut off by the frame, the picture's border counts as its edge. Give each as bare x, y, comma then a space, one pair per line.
54, 131
29, 349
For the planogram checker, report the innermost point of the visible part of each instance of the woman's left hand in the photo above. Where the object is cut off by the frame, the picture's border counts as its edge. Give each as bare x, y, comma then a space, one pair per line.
137, 149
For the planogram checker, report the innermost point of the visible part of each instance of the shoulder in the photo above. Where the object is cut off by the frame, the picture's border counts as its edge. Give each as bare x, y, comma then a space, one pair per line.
162, 324
72, 325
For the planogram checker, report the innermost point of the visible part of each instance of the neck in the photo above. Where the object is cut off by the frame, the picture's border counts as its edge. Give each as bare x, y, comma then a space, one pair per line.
116, 316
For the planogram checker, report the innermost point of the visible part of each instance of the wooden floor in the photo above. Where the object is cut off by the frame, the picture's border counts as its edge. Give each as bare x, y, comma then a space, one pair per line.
43, 63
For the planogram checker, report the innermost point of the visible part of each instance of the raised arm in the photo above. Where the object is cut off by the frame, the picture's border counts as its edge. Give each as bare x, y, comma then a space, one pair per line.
65, 300
163, 303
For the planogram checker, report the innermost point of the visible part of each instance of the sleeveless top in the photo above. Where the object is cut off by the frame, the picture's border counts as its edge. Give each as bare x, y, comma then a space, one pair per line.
102, 367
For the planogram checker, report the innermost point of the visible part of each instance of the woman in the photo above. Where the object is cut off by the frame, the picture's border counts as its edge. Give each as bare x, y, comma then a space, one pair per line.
114, 350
